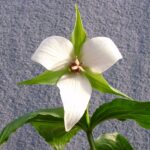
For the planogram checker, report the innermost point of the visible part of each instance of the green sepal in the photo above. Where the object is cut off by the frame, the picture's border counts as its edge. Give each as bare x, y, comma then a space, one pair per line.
79, 34
47, 77
112, 141
99, 83
123, 109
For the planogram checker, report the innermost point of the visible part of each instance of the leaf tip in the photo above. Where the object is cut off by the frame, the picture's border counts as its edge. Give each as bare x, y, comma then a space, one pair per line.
23, 82
76, 6
2, 144
77, 10
20, 83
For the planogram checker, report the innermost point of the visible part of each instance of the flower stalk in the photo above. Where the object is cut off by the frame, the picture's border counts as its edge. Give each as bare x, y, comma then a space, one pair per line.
89, 132
90, 140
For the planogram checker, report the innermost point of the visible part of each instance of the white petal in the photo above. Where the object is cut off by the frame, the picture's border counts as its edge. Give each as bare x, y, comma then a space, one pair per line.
75, 91
99, 54
53, 53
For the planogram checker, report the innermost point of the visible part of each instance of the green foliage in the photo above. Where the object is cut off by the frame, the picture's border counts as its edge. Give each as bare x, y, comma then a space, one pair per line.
99, 83
123, 109
47, 77
79, 34
53, 131
112, 141
48, 122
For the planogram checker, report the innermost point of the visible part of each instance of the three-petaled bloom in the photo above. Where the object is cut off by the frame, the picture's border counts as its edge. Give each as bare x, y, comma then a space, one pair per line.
97, 54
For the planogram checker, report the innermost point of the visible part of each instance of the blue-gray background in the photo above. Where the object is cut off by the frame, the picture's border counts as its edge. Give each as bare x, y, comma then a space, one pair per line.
25, 23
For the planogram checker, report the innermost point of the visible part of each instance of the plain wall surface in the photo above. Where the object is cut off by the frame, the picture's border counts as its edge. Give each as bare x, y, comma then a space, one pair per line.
25, 23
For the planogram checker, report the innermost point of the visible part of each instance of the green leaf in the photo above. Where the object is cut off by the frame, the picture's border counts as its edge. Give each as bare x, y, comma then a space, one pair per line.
48, 122
47, 77
123, 109
53, 132
112, 141
78, 36
99, 83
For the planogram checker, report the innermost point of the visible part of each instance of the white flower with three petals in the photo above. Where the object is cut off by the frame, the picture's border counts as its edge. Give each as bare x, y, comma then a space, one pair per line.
55, 53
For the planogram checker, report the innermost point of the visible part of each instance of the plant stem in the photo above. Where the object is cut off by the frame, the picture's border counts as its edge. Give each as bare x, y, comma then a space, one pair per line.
89, 132
91, 140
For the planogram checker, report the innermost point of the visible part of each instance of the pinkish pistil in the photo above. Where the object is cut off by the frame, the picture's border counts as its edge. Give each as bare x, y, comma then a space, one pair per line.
75, 66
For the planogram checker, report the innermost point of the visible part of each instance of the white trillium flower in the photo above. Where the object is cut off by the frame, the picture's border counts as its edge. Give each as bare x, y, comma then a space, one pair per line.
55, 53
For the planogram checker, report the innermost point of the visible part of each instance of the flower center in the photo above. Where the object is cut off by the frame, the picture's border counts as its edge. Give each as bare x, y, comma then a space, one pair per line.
76, 66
